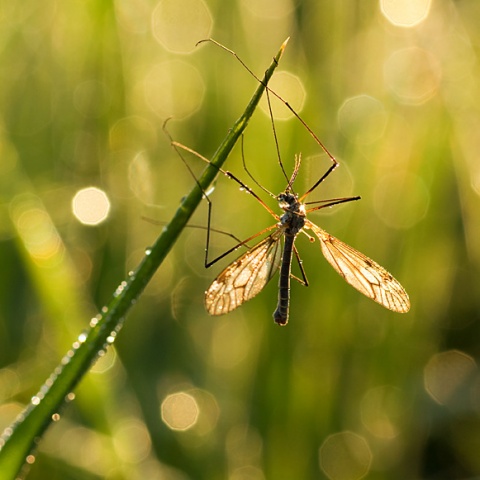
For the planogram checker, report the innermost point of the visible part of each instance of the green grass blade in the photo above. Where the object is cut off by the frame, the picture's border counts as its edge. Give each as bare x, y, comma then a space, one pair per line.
20, 438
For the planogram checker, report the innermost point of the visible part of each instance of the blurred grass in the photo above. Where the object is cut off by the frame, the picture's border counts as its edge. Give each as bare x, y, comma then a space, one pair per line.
80, 107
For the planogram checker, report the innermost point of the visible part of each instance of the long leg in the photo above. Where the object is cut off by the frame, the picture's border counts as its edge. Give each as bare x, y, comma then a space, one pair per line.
319, 181
302, 121
303, 281
259, 185
200, 227
178, 147
330, 203
275, 137
240, 244
230, 175
268, 89
328, 200
245, 187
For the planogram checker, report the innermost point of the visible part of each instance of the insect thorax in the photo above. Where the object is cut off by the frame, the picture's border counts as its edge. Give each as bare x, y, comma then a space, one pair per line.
294, 217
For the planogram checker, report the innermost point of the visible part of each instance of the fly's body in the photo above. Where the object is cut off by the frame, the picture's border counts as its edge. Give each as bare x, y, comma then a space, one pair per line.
247, 276
244, 278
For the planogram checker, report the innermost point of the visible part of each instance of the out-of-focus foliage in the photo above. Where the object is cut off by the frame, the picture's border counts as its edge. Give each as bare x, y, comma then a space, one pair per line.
347, 389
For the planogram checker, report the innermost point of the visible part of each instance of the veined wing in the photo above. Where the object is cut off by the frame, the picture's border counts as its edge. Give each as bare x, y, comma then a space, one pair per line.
245, 277
362, 272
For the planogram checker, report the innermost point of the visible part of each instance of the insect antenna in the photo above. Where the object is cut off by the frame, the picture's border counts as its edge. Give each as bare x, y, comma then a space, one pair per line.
274, 130
296, 169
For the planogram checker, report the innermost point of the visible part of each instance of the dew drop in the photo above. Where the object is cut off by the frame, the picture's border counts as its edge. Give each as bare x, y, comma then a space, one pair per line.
209, 191
148, 250
67, 357
111, 338
69, 397
50, 380
56, 417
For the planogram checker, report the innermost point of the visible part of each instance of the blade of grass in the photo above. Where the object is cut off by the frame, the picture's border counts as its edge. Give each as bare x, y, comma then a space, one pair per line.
20, 438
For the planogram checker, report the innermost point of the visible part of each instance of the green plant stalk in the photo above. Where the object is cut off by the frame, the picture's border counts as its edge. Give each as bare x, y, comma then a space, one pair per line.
21, 437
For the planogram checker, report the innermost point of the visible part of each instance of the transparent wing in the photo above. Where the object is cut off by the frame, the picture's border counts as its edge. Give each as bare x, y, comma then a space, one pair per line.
362, 273
245, 277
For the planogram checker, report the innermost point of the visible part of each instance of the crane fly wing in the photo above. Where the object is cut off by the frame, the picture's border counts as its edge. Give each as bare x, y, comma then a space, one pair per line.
362, 272
245, 277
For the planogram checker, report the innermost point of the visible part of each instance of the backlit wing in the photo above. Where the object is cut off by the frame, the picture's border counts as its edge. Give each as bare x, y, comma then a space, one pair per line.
361, 272
245, 277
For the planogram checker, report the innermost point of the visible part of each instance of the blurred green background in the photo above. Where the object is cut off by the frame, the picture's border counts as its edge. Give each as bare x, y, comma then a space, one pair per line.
347, 389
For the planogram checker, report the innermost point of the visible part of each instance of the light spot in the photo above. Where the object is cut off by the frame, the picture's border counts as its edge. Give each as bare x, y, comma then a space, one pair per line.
405, 13
248, 472
180, 411
362, 119
132, 133
345, 456
401, 199
382, 411
413, 74
105, 362
243, 445
140, 178
178, 25
269, 9
81, 447
133, 15
91, 206
37, 231
131, 440
9, 384
174, 89
446, 373
291, 89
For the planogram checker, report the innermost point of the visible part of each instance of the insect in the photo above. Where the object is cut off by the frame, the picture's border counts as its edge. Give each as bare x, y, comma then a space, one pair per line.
244, 278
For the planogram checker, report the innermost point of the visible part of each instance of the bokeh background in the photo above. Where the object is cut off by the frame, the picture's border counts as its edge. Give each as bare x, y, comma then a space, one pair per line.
346, 390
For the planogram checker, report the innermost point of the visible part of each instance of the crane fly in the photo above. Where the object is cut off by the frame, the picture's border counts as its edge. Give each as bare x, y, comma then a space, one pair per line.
247, 276
244, 278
